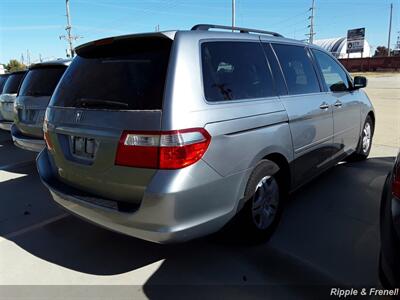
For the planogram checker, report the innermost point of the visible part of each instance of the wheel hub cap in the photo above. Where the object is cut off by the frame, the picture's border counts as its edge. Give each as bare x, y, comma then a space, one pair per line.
366, 140
265, 202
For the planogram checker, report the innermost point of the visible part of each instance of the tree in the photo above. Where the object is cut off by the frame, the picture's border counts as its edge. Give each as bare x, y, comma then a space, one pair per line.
383, 51
15, 65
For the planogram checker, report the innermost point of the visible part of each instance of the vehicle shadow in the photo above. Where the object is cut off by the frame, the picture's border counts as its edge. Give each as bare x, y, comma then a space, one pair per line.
328, 235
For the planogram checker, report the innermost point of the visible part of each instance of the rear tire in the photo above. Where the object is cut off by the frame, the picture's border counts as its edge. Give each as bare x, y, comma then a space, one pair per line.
262, 210
365, 141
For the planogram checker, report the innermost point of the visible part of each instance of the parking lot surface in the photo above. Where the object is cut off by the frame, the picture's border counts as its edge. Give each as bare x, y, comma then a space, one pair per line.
329, 234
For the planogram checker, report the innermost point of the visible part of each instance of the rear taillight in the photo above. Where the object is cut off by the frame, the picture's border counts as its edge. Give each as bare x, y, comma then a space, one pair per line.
396, 180
162, 150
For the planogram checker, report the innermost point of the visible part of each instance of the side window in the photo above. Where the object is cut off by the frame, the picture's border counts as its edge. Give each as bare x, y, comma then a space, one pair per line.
297, 68
276, 70
235, 70
335, 77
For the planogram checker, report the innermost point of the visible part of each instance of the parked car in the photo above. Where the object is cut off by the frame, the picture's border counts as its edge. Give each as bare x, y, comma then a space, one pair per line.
390, 229
7, 99
31, 103
169, 136
3, 79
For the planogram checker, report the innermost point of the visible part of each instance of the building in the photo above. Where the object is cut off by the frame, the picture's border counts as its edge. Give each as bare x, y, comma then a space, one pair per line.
338, 47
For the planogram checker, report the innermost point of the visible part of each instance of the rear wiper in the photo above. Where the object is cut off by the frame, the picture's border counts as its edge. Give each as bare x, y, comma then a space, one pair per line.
88, 102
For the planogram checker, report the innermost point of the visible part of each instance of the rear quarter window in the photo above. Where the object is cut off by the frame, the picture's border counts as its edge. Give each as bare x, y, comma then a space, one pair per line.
128, 74
234, 71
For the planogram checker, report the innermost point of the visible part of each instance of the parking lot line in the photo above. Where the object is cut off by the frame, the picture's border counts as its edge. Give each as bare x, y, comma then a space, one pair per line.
34, 227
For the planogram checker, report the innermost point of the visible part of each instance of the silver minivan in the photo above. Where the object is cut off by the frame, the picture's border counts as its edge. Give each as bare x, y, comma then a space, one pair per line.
7, 98
31, 103
169, 136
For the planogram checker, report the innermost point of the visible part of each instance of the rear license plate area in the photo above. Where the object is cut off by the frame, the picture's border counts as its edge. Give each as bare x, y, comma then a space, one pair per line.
83, 147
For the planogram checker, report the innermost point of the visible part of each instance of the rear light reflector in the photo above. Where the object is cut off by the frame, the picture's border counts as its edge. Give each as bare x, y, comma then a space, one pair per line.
46, 136
162, 150
396, 181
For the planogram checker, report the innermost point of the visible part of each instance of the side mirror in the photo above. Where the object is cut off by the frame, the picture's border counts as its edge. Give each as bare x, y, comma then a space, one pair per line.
360, 82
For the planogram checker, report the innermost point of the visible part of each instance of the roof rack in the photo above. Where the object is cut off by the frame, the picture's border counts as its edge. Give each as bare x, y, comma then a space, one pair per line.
240, 29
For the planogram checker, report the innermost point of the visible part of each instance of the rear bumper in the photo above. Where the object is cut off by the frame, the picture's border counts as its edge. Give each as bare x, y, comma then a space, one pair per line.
390, 239
26, 142
5, 125
165, 214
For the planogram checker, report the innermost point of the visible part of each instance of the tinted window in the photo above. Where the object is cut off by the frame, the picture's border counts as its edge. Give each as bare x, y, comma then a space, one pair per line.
298, 70
127, 74
41, 82
235, 70
12, 83
276, 70
334, 76
3, 79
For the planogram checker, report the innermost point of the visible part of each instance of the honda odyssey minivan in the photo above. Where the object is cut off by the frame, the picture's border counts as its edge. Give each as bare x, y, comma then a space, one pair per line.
31, 103
7, 99
169, 136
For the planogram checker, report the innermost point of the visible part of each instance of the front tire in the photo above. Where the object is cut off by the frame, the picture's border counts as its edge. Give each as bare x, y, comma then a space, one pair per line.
365, 141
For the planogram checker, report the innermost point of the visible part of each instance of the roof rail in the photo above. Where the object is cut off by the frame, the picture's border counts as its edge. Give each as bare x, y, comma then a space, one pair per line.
240, 29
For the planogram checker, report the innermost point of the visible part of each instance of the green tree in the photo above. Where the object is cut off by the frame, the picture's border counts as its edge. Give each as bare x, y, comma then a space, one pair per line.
15, 65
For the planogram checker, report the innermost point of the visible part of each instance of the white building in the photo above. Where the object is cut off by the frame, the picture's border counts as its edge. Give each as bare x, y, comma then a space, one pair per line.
338, 47
2, 69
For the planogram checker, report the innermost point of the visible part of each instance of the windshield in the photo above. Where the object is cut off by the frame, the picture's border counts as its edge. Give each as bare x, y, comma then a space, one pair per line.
127, 75
41, 82
12, 83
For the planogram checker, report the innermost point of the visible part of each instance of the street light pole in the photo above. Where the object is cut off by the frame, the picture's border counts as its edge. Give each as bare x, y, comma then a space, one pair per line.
390, 27
233, 14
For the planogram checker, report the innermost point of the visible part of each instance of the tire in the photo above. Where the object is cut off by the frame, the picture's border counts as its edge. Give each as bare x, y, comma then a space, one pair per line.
262, 210
365, 141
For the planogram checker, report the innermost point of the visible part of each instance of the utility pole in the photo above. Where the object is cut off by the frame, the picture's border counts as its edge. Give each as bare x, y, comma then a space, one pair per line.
311, 26
69, 37
157, 28
28, 57
390, 27
22, 58
233, 13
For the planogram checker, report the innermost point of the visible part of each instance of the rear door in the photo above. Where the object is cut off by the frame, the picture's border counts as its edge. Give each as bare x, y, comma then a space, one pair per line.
346, 107
110, 87
309, 110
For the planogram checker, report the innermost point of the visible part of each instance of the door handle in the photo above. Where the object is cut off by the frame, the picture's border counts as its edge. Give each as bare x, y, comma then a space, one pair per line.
324, 105
338, 103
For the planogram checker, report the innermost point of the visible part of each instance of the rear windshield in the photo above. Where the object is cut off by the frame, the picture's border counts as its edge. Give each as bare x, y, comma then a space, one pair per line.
13, 82
41, 82
3, 80
127, 75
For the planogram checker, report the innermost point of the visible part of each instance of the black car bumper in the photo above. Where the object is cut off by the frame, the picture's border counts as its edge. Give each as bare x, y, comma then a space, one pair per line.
390, 238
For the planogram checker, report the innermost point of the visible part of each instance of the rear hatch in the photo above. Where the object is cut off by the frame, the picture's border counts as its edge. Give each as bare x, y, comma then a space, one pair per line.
112, 85
34, 96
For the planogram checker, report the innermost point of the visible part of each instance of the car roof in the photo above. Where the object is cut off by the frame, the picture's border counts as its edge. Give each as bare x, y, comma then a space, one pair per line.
51, 63
201, 33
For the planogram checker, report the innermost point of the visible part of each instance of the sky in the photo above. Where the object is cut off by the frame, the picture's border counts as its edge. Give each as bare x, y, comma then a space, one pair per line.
36, 25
